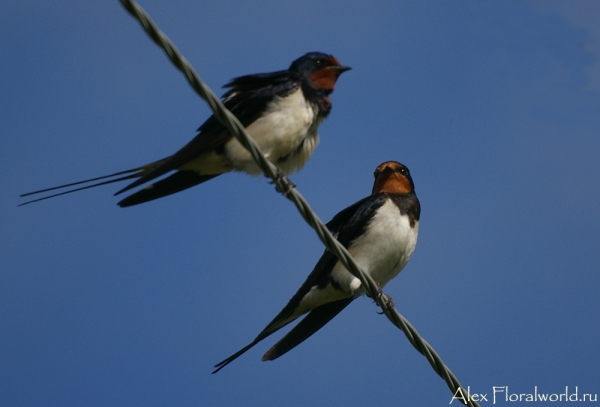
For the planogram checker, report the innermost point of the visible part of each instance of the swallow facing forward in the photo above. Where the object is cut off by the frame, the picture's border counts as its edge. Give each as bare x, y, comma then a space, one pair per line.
380, 232
280, 110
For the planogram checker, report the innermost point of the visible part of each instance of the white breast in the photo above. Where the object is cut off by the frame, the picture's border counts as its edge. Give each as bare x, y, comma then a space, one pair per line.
383, 250
289, 122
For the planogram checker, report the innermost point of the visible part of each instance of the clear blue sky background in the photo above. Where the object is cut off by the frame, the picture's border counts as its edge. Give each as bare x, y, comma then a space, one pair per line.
494, 106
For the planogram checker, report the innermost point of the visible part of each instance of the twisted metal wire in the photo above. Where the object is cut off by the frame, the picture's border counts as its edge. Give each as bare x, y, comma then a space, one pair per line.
287, 188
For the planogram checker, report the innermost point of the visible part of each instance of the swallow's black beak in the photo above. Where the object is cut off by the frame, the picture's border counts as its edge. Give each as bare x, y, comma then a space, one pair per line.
340, 68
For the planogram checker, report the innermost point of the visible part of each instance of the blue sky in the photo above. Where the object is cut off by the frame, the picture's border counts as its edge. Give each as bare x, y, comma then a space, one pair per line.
494, 106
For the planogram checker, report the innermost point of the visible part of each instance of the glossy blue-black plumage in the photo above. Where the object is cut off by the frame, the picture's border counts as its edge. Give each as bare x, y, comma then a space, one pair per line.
347, 226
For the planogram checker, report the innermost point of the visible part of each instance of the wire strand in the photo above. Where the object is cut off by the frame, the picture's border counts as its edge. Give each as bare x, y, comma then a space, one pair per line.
287, 188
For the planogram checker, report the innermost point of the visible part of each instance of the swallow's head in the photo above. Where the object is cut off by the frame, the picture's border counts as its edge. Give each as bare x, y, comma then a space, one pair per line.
393, 178
321, 70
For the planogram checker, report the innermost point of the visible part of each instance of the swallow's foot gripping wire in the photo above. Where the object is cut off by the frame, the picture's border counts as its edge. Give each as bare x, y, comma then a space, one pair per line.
384, 299
283, 184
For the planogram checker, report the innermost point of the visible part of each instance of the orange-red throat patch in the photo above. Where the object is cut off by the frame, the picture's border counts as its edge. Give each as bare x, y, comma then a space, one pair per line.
326, 77
392, 177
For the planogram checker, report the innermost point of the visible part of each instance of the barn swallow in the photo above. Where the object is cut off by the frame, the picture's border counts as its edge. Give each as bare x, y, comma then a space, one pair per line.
280, 110
380, 232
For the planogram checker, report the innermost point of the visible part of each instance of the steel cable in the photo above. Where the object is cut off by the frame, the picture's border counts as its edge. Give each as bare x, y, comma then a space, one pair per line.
287, 188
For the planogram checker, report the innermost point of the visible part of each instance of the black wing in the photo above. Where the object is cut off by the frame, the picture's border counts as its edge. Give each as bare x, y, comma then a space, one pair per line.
348, 224
310, 324
247, 100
